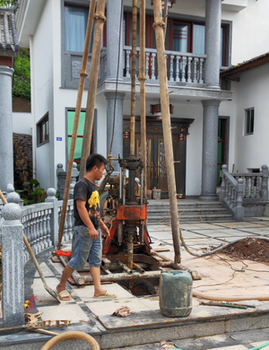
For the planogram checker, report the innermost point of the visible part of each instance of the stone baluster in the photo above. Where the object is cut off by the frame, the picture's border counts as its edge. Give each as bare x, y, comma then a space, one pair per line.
223, 183
232, 196
12, 263
195, 70
252, 194
41, 232
34, 242
189, 80
171, 77
128, 52
53, 222
147, 65
201, 71
49, 226
239, 210
264, 186
184, 63
45, 236
69, 223
153, 56
177, 67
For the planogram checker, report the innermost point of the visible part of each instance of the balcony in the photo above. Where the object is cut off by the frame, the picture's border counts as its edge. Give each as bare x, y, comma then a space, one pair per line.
182, 68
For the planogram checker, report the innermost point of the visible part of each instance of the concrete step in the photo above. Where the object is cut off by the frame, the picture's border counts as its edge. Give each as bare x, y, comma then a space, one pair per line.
188, 211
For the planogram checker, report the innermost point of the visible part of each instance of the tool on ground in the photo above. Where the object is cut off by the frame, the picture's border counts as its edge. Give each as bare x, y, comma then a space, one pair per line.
48, 289
223, 304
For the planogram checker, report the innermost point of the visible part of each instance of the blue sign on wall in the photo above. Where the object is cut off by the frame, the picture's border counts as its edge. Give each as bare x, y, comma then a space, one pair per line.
59, 139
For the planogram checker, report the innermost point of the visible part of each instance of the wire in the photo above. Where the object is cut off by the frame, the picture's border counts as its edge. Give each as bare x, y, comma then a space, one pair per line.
117, 79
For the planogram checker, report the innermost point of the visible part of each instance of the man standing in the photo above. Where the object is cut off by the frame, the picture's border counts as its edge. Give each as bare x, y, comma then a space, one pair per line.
87, 239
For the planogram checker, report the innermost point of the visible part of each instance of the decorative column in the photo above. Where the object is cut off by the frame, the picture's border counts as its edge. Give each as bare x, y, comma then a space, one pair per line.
115, 130
210, 149
6, 134
51, 198
12, 263
212, 43
114, 39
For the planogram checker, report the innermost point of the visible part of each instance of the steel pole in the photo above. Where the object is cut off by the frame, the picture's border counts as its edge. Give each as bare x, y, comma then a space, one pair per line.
133, 71
142, 79
83, 74
99, 19
166, 123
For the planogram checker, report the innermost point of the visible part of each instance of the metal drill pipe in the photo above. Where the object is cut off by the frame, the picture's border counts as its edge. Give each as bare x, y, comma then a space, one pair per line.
83, 74
133, 71
99, 19
166, 123
142, 79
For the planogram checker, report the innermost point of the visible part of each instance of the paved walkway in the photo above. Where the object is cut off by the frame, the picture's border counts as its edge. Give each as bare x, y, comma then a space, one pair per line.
221, 276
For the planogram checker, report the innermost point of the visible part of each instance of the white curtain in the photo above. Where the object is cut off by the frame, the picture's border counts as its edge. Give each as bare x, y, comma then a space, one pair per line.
198, 39
75, 28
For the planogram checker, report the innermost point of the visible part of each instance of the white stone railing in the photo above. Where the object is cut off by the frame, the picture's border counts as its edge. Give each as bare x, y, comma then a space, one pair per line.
182, 67
239, 188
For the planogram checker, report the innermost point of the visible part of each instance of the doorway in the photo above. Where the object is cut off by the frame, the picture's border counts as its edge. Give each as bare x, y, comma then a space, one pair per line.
156, 164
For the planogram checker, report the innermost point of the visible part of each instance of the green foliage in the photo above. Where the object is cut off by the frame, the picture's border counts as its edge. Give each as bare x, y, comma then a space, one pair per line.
32, 193
22, 83
7, 3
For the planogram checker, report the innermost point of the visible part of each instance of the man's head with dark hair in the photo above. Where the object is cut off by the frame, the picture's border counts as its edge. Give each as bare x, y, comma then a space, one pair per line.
95, 159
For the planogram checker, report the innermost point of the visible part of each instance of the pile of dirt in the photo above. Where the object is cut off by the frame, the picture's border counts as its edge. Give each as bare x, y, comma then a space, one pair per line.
249, 248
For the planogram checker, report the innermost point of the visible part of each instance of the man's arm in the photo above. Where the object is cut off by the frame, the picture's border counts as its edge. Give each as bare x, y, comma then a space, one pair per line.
84, 215
104, 229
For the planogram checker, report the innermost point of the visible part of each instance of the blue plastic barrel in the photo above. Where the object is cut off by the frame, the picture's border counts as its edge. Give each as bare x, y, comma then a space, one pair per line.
175, 291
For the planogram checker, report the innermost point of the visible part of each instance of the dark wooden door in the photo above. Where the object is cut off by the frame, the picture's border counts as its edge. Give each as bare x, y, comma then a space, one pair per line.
156, 163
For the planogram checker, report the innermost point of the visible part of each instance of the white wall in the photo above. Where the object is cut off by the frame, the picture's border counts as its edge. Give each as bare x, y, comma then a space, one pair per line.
42, 90
251, 151
22, 123
250, 31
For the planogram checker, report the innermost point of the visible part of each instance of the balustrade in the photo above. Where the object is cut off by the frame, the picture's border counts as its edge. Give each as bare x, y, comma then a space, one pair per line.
239, 188
181, 67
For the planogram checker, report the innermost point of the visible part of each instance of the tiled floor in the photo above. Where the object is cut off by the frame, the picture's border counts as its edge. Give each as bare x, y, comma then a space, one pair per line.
220, 276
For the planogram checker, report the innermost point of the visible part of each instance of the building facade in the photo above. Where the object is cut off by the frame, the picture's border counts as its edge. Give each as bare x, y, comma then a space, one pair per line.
203, 38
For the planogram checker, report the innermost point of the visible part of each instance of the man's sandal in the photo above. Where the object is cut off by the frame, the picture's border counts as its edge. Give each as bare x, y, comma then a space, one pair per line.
64, 295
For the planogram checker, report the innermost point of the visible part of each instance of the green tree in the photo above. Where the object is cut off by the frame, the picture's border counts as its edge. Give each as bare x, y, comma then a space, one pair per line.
22, 84
7, 3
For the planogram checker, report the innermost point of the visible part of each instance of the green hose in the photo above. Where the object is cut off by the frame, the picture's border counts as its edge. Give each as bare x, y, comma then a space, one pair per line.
261, 346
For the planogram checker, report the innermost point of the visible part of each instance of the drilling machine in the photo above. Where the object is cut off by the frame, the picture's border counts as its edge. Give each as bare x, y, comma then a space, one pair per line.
125, 212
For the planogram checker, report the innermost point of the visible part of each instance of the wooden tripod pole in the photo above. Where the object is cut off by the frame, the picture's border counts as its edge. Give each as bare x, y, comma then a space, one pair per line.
133, 72
142, 79
99, 19
83, 74
166, 123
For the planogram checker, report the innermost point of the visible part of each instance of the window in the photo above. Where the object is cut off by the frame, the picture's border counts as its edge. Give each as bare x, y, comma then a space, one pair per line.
249, 121
75, 20
79, 142
43, 130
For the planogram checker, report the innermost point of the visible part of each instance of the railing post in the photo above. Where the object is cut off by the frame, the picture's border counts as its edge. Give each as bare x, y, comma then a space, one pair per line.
239, 209
51, 192
12, 263
223, 183
264, 190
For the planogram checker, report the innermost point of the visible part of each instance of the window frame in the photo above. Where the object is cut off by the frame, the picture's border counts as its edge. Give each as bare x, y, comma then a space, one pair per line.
43, 122
249, 121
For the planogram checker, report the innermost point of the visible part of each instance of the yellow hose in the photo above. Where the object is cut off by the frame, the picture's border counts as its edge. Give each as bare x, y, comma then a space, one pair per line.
224, 298
72, 335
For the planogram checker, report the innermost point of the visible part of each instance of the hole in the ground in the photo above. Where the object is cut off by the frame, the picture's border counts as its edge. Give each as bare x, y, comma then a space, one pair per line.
141, 287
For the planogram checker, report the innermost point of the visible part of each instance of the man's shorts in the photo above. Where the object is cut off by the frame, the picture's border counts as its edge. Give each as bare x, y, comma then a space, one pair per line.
84, 248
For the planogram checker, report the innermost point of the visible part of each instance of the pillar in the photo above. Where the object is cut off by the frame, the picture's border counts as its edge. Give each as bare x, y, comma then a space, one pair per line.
114, 15
210, 149
117, 130
212, 43
12, 263
6, 134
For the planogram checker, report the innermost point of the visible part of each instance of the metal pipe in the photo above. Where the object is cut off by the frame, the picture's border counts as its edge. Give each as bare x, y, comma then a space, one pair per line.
133, 71
142, 188
120, 182
99, 19
130, 250
120, 232
142, 79
83, 74
124, 187
166, 123
125, 268
127, 276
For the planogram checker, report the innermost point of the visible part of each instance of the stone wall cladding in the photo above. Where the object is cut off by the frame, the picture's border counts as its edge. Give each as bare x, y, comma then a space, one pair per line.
23, 159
